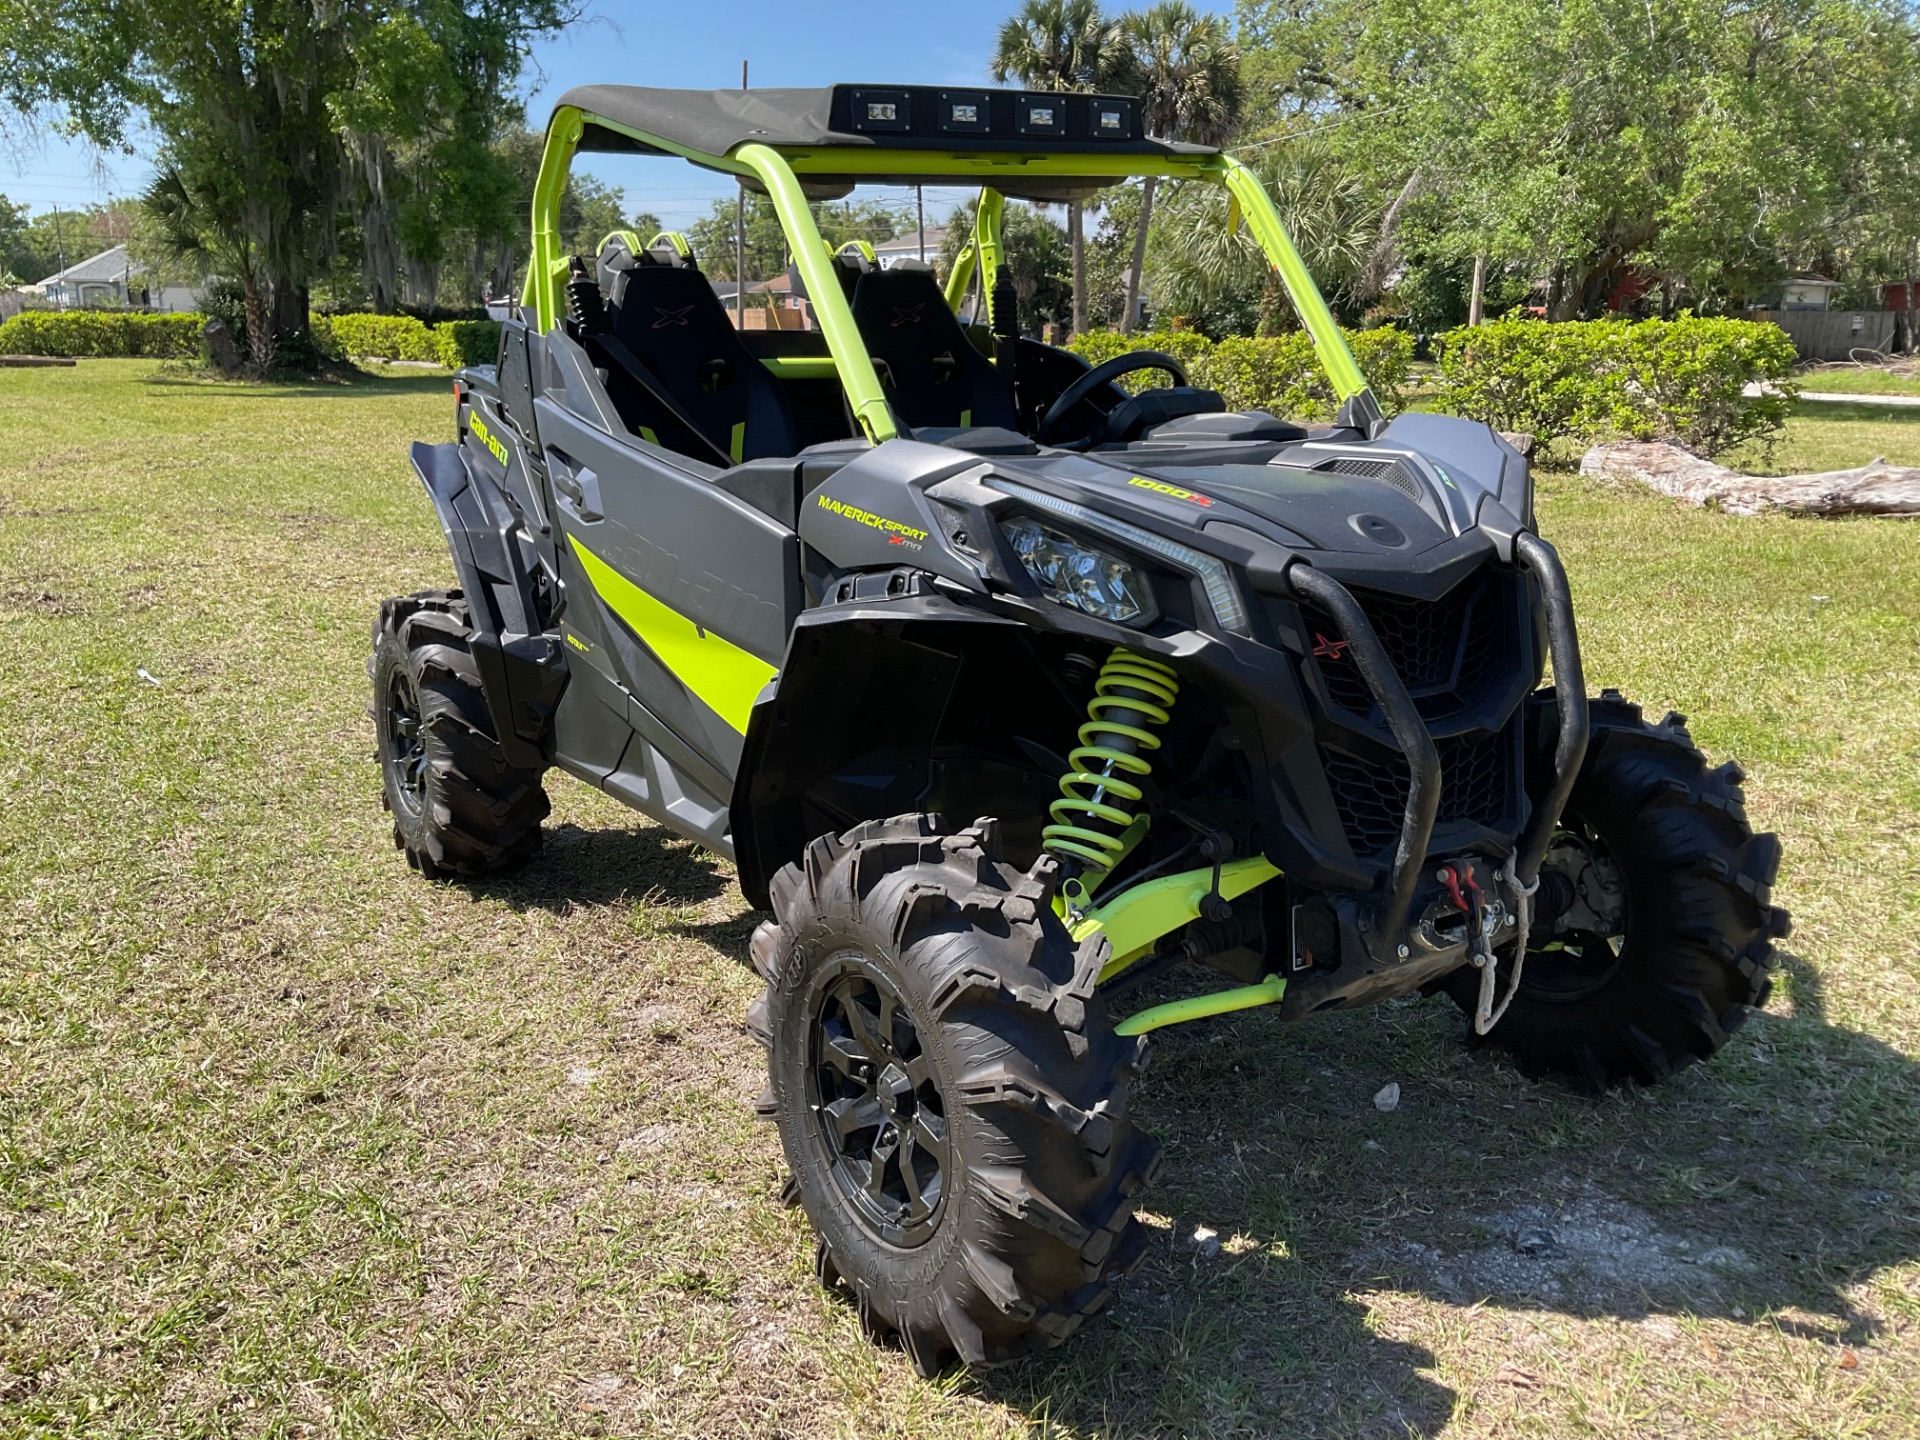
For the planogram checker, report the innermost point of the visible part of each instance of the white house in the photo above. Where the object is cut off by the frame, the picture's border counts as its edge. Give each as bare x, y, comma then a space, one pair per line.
112, 278
907, 246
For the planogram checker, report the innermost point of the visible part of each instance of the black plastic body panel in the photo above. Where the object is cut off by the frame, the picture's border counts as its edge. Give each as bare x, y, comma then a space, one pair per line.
523, 670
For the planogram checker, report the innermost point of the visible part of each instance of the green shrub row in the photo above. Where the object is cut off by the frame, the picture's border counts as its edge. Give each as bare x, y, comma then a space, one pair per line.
132, 333
1682, 380
1280, 374
455, 343
101, 333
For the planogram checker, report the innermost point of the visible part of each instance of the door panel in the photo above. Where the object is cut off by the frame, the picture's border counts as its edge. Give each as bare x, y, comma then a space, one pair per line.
693, 590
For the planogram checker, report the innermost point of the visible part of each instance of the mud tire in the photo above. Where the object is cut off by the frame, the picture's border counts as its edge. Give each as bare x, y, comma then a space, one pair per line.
1042, 1164
1697, 949
458, 807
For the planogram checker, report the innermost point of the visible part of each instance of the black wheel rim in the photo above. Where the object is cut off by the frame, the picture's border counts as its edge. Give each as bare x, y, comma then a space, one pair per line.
877, 1106
405, 742
1575, 962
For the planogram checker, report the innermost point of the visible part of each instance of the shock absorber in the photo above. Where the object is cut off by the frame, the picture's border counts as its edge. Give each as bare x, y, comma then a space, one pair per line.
1091, 821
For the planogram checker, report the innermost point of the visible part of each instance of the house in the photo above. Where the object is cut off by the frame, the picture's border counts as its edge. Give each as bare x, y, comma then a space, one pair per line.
111, 278
907, 247
1807, 292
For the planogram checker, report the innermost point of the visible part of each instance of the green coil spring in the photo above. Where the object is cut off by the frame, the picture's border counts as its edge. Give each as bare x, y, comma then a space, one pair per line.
1090, 821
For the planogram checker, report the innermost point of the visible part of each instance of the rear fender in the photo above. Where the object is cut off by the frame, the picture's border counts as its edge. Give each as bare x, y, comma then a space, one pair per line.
523, 671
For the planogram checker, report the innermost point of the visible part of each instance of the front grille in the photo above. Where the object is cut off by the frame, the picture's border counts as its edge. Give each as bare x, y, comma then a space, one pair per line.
1441, 649
1476, 786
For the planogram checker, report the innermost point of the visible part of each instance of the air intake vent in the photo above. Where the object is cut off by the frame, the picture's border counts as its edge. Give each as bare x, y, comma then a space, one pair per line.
1394, 472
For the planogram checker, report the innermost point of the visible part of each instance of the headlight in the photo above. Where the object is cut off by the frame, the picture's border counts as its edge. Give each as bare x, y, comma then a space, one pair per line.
1222, 595
1071, 573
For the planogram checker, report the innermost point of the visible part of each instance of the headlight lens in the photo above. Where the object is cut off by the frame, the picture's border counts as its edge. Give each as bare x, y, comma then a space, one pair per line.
1071, 573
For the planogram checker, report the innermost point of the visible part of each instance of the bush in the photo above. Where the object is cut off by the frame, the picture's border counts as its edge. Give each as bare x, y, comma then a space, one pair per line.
467, 342
1680, 380
380, 337
455, 344
1280, 374
101, 333
1689, 378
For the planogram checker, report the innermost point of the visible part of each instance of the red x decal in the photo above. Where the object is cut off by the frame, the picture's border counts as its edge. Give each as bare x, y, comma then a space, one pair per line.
909, 316
1329, 649
671, 317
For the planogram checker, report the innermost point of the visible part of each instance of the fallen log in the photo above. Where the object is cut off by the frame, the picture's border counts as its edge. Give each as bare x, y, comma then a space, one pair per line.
26, 362
1875, 489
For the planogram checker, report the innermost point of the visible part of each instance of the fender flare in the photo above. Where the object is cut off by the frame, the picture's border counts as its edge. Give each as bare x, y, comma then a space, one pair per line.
886, 677
523, 669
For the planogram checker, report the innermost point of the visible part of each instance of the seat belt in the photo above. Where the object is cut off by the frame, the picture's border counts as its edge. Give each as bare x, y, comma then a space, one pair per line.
634, 366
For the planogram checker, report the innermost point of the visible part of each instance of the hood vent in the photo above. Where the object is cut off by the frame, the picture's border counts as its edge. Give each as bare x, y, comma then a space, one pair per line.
1395, 471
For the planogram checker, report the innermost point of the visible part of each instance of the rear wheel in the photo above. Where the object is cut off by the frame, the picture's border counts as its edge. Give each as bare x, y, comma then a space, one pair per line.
949, 1093
1654, 931
458, 807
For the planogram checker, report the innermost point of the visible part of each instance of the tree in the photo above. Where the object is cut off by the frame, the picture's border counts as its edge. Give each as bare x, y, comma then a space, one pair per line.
1037, 256
269, 110
1063, 45
1715, 146
1222, 280
1184, 67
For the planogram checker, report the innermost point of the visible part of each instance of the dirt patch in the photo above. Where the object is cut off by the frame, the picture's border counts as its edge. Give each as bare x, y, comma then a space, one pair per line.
35, 601
1586, 1249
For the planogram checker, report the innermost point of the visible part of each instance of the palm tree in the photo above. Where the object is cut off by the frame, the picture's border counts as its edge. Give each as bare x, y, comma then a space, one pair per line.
1063, 45
1186, 70
1333, 217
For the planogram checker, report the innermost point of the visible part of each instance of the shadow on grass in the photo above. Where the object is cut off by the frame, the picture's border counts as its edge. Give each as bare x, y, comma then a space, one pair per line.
1774, 1180
644, 865
185, 383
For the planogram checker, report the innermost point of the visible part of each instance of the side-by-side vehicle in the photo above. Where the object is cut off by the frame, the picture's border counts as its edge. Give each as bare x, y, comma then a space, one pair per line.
1006, 688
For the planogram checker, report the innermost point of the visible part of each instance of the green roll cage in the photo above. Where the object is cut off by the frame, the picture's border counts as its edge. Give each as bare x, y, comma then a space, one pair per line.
779, 171
1135, 919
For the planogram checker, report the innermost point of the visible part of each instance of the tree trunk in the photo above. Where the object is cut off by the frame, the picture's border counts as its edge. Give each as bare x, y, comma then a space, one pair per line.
1913, 300
1074, 238
1139, 254
1477, 295
259, 324
1876, 489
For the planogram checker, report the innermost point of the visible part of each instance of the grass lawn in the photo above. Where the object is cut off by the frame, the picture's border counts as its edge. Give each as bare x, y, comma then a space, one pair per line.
295, 1144
1903, 379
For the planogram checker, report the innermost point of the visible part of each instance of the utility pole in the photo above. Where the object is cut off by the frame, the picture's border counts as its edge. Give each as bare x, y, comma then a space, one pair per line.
1478, 294
920, 204
60, 245
740, 239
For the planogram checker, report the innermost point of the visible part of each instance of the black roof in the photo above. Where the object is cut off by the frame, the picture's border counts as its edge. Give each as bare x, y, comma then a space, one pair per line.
916, 117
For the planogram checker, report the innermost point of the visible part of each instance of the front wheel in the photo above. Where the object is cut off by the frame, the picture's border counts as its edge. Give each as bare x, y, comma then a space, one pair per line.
950, 1096
1654, 929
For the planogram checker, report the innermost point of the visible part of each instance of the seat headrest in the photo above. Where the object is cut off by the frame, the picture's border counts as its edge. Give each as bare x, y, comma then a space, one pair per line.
670, 247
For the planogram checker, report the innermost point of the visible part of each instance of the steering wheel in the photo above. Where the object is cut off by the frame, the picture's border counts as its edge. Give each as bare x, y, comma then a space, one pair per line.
1105, 373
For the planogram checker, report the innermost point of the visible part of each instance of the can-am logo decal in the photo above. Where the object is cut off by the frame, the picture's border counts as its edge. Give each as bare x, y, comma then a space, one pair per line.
896, 533
1160, 487
485, 437
672, 317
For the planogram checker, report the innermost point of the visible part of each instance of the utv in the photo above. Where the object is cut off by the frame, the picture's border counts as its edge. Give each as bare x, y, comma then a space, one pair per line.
1225, 692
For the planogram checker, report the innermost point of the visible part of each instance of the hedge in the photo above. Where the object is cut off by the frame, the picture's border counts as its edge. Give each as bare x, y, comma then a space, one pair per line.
1277, 373
455, 344
100, 333
1682, 380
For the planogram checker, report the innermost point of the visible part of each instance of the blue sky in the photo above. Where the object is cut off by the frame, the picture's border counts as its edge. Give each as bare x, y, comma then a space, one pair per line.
695, 45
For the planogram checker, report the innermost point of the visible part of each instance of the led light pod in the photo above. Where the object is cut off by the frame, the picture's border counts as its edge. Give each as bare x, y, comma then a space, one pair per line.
1069, 572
